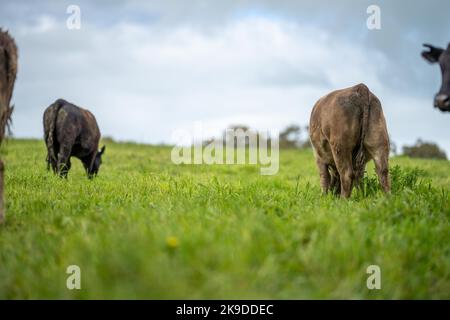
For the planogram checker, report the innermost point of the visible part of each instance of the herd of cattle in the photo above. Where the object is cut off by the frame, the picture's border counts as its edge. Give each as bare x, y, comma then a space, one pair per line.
347, 128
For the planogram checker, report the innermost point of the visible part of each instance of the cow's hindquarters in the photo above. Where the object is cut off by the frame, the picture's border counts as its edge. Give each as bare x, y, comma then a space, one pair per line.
347, 129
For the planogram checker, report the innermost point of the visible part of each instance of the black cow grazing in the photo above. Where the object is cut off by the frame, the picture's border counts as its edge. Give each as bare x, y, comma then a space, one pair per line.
8, 72
434, 55
71, 131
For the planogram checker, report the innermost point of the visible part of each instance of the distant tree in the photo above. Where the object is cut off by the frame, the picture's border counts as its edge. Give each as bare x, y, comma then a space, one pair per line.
242, 127
427, 150
108, 139
306, 144
393, 148
290, 137
208, 141
239, 135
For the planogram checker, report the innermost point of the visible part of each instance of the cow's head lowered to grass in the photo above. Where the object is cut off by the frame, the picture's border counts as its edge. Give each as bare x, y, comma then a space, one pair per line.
441, 56
96, 164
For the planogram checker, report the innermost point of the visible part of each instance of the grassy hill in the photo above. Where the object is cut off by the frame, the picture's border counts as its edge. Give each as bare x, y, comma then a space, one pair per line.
146, 228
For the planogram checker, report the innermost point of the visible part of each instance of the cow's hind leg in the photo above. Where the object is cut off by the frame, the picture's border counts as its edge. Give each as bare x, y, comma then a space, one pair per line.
54, 165
381, 160
51, 164
324, 176
63, 165
344, 165
335, 184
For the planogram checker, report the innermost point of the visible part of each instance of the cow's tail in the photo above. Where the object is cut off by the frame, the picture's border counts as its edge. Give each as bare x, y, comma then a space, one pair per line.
9, 47
360, 157
50, 134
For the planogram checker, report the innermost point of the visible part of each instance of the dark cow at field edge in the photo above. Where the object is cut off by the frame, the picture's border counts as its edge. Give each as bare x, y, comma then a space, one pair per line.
347, 129
8, 72
441, 56
71, 131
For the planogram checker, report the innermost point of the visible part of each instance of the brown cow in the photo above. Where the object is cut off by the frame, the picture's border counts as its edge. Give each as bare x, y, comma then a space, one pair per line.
8, 72
347, 129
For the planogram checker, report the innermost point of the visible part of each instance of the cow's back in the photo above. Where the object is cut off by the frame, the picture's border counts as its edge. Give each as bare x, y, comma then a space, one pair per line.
72, 126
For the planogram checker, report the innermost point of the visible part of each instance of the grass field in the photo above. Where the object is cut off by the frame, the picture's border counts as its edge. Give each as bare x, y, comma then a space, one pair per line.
146, 228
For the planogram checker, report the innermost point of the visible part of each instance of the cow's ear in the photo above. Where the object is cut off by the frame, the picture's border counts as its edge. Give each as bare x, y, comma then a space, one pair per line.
102, 150
432, 54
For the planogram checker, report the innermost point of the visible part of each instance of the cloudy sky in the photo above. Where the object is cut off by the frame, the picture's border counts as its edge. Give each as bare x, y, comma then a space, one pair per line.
149, 68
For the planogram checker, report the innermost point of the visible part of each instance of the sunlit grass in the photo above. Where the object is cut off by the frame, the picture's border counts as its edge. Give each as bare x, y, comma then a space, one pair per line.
146, 228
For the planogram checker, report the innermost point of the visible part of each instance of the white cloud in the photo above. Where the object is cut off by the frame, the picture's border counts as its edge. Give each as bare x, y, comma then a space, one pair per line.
42, 24
144, 81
